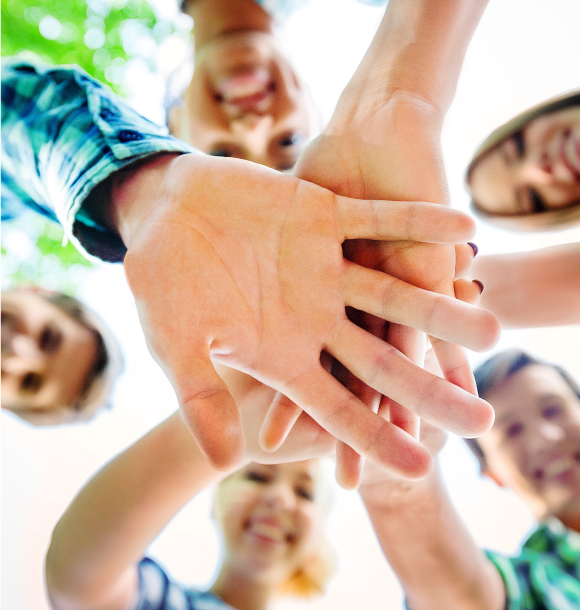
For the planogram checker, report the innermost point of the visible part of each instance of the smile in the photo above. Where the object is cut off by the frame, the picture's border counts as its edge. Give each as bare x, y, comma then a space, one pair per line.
246, 91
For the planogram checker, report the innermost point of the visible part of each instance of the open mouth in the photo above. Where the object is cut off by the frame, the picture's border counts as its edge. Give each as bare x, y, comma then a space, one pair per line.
570, 153
268, 531
245, 91
559, 469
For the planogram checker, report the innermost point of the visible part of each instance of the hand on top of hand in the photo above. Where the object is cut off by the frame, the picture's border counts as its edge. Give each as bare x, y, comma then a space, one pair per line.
253, 276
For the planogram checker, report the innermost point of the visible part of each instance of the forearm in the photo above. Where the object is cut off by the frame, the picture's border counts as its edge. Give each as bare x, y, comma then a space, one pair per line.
104, 533
431, 551
528, 289
418, 51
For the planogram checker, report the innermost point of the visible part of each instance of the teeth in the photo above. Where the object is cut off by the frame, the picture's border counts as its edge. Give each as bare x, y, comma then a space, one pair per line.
557, 467
242, 91
268, 531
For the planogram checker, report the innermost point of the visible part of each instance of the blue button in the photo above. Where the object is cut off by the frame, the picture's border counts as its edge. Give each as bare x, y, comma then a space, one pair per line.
128, 135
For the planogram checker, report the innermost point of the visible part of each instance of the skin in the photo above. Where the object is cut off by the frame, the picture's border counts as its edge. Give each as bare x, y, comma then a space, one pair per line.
92, 560
534, 446
540, 171
269, 517
46, 354
245, 99
531, 289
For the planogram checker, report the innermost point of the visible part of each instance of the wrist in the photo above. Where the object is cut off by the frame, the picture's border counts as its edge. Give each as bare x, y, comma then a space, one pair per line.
134, 193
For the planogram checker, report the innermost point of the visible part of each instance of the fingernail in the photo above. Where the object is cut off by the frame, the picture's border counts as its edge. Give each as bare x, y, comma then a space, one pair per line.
480, 284
474, 247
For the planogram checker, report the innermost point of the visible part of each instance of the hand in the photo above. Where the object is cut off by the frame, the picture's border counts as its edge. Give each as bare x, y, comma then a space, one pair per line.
232, 262
392, 151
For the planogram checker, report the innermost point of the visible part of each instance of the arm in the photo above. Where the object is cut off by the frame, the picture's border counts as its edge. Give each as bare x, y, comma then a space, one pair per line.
526, 289
92, 559
428, 546
383, 141
233, 263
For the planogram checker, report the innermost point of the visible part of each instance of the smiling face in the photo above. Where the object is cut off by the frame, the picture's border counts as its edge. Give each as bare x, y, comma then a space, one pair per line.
534, 445
245, 100
46, 355
535, 170
270, 518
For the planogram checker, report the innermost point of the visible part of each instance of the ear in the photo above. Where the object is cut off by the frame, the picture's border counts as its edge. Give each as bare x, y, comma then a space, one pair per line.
493, 477
175, 119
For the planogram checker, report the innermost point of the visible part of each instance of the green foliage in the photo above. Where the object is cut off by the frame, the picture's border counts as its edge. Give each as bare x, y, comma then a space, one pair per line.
102, 37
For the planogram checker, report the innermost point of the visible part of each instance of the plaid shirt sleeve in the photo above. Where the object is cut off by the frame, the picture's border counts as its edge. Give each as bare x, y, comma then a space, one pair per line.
546, 575
63, 133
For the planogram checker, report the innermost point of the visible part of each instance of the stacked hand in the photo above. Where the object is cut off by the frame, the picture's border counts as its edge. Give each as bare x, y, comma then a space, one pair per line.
253, 276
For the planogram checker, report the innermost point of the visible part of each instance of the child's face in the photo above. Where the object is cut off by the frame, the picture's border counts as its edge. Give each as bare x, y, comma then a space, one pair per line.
534, 445
46, 354
270, 518
245, 101
535, 170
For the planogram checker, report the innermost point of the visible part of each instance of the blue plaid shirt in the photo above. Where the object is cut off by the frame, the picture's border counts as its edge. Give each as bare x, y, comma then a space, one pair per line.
64, 133
158, 592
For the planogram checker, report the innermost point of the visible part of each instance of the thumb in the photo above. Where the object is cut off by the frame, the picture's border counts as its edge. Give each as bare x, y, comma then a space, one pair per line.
209, 412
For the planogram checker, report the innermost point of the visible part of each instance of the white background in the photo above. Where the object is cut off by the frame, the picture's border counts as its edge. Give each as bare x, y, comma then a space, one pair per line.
523, 52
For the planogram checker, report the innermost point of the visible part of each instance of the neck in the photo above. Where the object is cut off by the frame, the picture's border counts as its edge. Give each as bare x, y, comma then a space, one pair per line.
241, 591
213, 18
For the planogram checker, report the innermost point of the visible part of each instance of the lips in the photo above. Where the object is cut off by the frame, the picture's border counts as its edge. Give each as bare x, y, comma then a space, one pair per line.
570, 153
268, 530
245, 91
557, 468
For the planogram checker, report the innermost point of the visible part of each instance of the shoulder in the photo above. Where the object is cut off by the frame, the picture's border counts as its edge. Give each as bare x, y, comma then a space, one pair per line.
157, 591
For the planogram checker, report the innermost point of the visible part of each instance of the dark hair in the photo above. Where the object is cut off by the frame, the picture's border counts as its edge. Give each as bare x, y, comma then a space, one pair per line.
496, 370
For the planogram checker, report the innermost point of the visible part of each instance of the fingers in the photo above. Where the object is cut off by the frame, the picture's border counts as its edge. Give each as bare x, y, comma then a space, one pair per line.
454, 365
389, 372
402, 220
464, 255
349, 466
468, 291
278, 422
435, 314
210, 413
348, 419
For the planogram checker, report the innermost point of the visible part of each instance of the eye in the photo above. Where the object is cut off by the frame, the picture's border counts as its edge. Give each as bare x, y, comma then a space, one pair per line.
31, 383
290, 139
514, 430
50, 339
551, 411
518, 140
537, 202
257, 477
221, 152
302, 492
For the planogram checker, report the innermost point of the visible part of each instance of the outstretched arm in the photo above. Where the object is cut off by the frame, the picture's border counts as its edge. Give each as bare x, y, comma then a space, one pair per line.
427, 544
383, 141
527, 289
92, 560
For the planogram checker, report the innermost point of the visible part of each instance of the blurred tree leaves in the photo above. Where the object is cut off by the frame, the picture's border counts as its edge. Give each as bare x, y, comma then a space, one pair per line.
102, 37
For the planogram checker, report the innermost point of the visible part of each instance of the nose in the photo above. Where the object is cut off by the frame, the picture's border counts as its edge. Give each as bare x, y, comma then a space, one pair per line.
24, 357
280, 496
550, 432
254, 130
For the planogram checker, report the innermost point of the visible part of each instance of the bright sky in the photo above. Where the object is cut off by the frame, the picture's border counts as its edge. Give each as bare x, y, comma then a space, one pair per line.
523, 52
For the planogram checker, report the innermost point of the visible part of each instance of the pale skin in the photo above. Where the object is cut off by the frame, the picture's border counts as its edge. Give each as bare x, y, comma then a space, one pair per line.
424, 539
384, 133
529, 289
268, 289
92, 560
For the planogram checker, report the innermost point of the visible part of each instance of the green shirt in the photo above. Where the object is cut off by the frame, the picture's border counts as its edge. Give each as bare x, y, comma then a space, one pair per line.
546, 575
